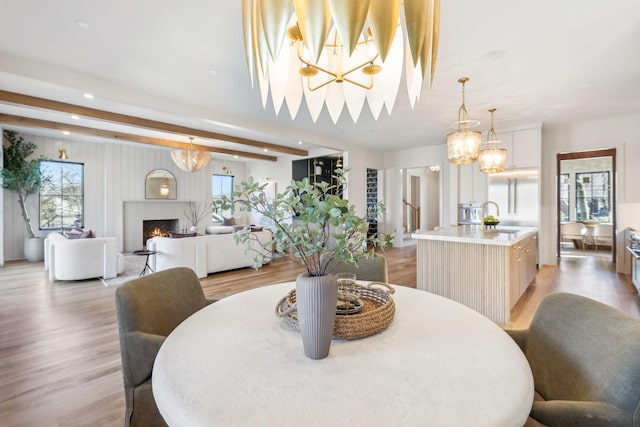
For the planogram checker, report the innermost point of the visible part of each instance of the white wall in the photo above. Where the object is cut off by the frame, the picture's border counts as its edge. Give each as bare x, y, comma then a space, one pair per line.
397, 162
114, 173
611, 132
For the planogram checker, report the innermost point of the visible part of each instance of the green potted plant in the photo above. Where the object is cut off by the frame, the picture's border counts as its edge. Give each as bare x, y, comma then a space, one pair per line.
311, 225
23, 177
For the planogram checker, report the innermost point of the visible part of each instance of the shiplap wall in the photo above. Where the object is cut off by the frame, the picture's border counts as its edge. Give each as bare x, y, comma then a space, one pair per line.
114, 174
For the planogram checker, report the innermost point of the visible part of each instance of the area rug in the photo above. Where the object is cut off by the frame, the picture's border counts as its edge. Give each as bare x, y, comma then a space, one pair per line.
132, 267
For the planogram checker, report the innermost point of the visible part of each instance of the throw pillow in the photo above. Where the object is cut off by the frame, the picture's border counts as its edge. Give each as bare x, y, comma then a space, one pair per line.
219, 229
176, 235
83, 235
229, 221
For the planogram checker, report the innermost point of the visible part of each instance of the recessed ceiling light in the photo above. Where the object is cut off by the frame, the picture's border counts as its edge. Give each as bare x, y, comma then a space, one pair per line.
75, 117
88, 95
299, 142
214, 73
266, 150
235, 157
66, 132
82, 24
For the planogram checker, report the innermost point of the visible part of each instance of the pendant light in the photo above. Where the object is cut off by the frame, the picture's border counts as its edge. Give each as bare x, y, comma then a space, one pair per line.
463, 145
190, 160
492, 159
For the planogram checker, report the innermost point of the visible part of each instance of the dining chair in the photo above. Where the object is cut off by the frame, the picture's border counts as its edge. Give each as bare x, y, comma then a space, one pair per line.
603, 234
585, 360
371, 269
148, 309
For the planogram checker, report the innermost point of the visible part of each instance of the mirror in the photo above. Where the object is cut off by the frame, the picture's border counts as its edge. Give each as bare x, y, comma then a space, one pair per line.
160, 184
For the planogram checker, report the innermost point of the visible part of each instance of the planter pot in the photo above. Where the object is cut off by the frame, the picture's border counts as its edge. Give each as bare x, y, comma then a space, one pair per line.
34, 249
316, 298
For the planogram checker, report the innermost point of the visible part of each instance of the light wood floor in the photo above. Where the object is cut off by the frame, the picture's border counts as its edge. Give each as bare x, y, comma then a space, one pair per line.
59, 351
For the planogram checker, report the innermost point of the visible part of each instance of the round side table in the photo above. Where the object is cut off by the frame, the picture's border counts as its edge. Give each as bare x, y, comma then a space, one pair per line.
146, 263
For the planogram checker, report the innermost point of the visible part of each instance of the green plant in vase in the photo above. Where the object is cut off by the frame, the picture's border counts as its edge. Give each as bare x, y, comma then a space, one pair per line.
24, 178
312, 225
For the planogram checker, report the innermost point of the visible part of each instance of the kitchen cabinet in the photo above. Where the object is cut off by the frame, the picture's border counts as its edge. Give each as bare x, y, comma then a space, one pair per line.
523, 266
486, 270
523, 147
472, 184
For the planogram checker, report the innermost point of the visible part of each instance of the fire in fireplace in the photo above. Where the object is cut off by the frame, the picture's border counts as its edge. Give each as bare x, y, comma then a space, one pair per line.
158, 227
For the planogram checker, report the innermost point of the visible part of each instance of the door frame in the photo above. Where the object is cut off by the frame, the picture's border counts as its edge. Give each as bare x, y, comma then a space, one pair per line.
608, 152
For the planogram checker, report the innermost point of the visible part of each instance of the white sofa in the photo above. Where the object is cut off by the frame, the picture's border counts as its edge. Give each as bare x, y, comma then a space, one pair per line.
205, 254
79, 259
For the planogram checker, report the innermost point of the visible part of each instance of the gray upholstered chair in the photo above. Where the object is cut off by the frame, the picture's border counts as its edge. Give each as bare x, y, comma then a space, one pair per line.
148, 309
585, 359
371, 269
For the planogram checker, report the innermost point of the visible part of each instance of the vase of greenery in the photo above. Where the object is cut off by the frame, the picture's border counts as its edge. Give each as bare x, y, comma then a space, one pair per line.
312, 225
23, 177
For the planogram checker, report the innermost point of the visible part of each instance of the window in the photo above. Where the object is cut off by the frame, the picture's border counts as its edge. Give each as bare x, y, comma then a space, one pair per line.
221, 185
61, 195
592, 196
564, 197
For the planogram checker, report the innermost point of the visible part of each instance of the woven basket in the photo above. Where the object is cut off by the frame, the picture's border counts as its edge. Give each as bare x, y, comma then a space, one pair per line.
376, 315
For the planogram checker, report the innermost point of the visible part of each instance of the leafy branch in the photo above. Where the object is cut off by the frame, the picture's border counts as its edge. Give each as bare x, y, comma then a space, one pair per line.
312, 225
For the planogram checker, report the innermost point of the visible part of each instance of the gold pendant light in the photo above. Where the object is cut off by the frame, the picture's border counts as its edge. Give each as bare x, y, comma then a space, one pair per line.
463, 145
190, 160
492, 159
340, 53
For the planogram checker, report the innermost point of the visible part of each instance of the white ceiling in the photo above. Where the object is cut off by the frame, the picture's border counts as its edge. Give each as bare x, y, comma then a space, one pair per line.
545, 61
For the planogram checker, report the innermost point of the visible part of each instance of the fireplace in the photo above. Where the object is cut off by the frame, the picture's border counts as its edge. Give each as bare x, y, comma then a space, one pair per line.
158, 227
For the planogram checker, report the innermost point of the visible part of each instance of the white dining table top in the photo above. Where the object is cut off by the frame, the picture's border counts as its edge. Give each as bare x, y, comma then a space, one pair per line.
234, 363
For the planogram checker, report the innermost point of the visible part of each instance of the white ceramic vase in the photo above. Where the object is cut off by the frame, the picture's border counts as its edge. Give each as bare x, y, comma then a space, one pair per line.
34, 249
316, 298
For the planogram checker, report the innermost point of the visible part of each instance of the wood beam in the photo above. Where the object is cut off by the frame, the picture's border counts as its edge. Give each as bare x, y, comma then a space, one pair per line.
121, 136
47, 104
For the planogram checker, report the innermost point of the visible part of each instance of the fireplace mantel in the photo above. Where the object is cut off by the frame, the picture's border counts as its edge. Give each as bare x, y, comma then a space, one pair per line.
136, 211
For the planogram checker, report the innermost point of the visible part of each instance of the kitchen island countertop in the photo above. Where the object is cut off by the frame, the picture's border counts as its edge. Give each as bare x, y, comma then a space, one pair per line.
501, 235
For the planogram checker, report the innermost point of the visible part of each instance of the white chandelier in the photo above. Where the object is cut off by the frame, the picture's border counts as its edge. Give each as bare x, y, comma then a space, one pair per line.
492, 159
359, 43
190, 160
463, 145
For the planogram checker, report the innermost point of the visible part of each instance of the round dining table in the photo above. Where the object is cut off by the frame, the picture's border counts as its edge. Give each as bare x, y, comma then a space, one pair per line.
439, 363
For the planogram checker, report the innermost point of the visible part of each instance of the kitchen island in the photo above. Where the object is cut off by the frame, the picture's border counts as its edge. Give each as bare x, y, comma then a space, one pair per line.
485, 269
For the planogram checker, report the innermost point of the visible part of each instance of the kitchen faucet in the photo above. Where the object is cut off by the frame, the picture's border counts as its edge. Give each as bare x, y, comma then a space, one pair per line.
484, 206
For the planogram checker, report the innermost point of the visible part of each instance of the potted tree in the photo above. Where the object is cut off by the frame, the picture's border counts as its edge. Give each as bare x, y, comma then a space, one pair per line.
312, 225
23, 177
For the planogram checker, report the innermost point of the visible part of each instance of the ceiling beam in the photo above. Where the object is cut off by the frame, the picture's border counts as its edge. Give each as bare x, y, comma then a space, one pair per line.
47, 104
121, 136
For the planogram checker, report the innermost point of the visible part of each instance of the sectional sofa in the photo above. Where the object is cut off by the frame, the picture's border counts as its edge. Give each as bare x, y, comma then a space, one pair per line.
207, 254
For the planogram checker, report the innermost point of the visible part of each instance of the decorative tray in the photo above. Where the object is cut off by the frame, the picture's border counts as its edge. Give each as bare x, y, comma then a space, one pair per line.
376, 314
